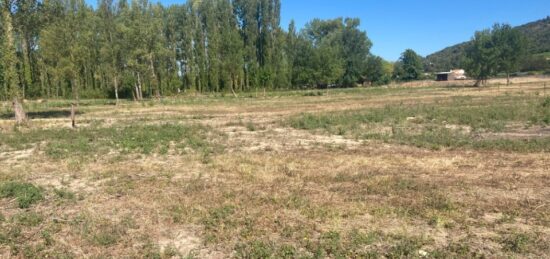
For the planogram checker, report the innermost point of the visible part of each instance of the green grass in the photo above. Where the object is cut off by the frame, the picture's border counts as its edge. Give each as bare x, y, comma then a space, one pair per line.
86, 142
334, 244
28, 219
426, 125
25, 194
65, 194
516, 243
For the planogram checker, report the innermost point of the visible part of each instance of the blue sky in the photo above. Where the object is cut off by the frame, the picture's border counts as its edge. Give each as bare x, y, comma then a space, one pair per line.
422, 25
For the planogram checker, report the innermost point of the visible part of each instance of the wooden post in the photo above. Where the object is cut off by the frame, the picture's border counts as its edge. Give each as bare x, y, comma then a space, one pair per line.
73, 114
20, 115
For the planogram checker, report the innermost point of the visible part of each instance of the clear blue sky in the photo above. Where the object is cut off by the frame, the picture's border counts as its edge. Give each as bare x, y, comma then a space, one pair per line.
423, 25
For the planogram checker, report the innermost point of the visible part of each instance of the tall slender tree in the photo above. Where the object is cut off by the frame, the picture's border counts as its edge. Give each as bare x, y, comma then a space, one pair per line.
9, 64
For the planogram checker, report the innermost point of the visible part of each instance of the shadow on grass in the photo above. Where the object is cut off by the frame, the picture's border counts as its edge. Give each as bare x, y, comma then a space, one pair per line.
42, 114
470, 86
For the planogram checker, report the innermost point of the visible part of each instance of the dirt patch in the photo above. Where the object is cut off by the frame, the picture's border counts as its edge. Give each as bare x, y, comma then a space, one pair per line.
520, 133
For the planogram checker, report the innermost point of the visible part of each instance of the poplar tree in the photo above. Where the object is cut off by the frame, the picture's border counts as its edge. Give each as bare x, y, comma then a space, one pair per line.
65, 48
9, 64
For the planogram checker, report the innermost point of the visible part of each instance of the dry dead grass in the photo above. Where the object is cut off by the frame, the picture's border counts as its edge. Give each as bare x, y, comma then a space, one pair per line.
279, 191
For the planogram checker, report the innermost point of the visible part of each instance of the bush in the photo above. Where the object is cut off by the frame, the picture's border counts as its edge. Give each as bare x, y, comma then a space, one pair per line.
26, 194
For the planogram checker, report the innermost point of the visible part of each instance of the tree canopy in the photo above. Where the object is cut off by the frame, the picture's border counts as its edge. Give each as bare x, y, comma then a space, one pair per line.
137, 49
409, 67
493, 51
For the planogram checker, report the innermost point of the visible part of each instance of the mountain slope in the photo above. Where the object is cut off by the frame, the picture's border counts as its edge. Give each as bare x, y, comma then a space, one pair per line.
537, 33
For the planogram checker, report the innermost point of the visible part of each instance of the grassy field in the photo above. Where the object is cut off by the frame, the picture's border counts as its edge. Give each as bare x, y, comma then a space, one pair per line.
415, 172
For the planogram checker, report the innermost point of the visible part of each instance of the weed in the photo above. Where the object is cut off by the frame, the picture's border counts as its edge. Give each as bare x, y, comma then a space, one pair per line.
358, 239
331, 244
106, 236
217, 220
144, 139
250, 126
26, 194
405, 248
439, 201
437, 125
286, 251
47, 236
28, 219
254, 249
151, 251
65, 194
516, 242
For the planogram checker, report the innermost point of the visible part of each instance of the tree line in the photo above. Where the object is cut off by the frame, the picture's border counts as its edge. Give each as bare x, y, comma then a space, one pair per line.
501, 49
136, 49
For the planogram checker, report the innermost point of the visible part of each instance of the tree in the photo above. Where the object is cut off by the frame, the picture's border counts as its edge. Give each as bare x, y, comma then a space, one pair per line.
481, 57
356, 49
66, 48
511, 48
409, 67
492, 51
320, 62
377, 71
111, 49
339, 52
9, 64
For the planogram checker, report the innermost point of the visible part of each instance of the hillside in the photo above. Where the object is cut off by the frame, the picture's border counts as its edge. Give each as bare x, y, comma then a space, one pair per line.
537, 33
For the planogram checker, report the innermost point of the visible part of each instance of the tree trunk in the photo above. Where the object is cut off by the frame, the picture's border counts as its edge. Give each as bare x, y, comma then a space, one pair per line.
139, 90
507, 78
232, 87
20, 115
478, 83
27, 76
75, 90
73, 116
154, 76
116, 89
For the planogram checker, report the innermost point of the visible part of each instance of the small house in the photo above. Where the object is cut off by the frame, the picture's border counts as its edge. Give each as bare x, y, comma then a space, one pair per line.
455, 74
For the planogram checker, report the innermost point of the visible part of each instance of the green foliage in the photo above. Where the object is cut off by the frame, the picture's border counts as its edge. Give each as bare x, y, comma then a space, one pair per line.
217, 220
9, 56
137, 49
254, 249
65, 194
517, 242
482, 57
409, 67
330, 52
378, 71
28, 219
537, 37
511, 46
498, 50
25, 194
